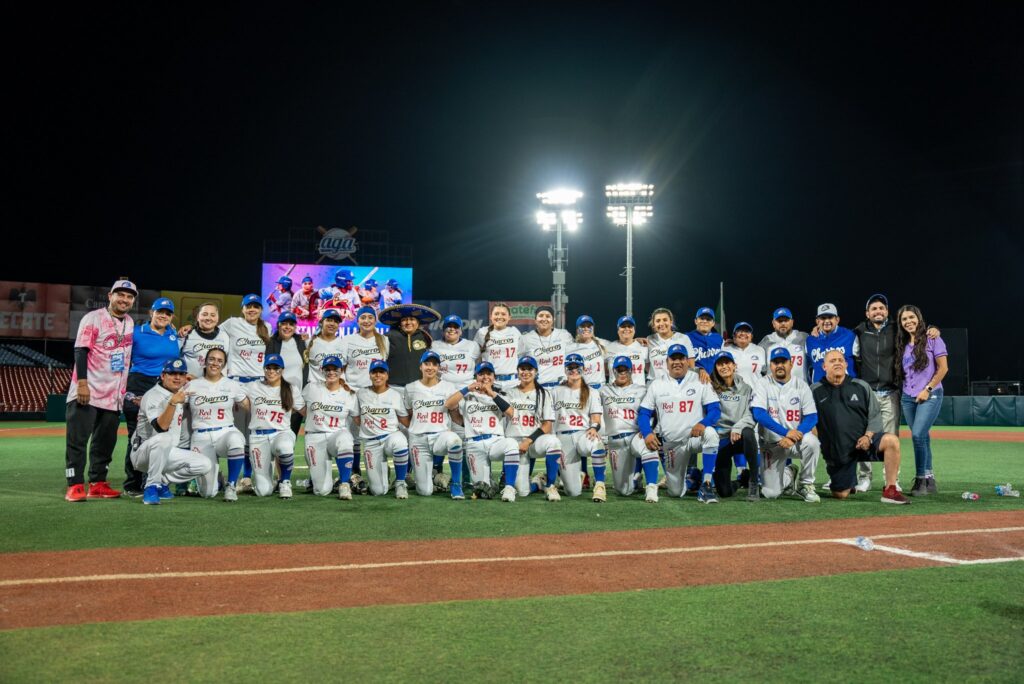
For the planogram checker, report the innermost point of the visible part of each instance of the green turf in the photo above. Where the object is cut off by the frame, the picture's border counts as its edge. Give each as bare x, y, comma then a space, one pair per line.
34, 515
935, 624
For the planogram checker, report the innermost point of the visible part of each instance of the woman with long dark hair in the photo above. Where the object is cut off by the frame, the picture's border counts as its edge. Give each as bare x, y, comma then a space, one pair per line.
272, 402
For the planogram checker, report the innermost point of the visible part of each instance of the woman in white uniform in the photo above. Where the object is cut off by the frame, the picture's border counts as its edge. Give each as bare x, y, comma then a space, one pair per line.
271, 403
530, 426
578, 426
330, 406
381, 409
499, 345
431, 437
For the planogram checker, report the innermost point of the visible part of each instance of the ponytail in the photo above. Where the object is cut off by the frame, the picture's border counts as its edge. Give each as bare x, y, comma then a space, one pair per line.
584, 397
379, 339
263, 331
287, 401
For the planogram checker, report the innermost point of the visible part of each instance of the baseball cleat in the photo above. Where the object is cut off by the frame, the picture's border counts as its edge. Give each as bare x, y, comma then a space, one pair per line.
151, 495
245, 485
585, 482
75, 493
890, 495
651, 493
600, 493
807, 493
508, 494
345, 491
230, 493
401, 490
102, 490
284, 489
165, 492
706, 494
755, 492
456, 490
551, 492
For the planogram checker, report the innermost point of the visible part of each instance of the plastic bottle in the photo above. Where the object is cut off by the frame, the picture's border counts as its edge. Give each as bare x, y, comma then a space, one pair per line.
1006, 490
970, 496
865, 544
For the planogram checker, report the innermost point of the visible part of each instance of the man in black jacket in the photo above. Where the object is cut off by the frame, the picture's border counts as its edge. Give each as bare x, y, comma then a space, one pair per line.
850, 430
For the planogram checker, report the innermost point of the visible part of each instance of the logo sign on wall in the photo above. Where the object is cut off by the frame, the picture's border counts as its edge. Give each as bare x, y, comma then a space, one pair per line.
34, 310
337, 244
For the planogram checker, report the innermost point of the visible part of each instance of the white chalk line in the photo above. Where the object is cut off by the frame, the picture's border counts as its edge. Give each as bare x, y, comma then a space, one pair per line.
499, 559
940, 557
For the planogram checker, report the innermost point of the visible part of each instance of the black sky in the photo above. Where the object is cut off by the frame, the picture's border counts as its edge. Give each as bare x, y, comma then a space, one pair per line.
801, 154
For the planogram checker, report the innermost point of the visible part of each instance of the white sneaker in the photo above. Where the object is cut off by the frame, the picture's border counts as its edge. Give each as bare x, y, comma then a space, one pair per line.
284, 489
863, 484
345, 491
651, 492
807, 493
552, 493
401, 490
791, 474
600, 494
508, 493
230, 493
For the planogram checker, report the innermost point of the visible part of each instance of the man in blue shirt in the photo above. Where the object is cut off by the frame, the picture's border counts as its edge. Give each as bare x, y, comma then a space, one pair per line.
830, 336
707, 344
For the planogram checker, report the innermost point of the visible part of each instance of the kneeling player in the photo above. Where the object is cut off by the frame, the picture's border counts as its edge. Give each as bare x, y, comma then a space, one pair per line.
621, 400
530, 425
212, 399
431, 437
271, 403
483, 410
381, 409
329, 407
578, 426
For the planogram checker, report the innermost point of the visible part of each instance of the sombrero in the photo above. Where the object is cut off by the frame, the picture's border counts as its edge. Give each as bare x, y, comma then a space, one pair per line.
394, 314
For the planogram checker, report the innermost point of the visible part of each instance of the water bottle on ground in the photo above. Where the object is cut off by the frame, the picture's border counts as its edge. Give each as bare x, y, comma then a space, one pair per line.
865, 544
1006, 490
970, 496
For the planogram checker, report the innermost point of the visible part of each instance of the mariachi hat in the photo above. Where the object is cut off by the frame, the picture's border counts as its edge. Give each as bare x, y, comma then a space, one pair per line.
394, 314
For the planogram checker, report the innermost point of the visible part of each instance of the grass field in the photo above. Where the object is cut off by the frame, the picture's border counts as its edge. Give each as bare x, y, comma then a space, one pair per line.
913, 623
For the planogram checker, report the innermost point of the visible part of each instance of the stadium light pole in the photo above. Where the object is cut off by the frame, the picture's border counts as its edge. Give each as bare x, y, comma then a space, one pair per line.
558, 211
629, 204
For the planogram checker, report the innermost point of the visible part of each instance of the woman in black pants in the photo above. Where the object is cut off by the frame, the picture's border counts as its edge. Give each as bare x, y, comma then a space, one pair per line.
735, 427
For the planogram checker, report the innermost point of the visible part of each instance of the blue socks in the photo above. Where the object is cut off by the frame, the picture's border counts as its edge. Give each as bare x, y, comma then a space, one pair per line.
401, 470
598, 473
235, 468
650, 472
344, 464
247, 472
511, 473
456, 468
551, 463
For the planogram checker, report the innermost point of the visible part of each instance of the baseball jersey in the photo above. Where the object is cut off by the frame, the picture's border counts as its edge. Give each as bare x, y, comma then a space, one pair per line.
621, 405
305, 305
318, 349
657, 349
210, 404
636, 352
528, 415
245, 354
293, 362
327, 411
195, 345
457, 360
280, 302
841, 339
795, 343
786, 404
593, 361
426, 406
481, 416
502, 348
570, 414
369, 296
265, 410
346, 300
679, 404
153, 403
109, 341
750, 362
390, 298
550, 353
704, 349
358, 352
379, 413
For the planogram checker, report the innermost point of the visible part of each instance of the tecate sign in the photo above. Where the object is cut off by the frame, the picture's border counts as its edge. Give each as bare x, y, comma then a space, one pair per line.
337, 244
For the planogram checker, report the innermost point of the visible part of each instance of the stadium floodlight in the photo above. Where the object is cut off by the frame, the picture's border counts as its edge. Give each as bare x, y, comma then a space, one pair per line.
630, 204
564, 218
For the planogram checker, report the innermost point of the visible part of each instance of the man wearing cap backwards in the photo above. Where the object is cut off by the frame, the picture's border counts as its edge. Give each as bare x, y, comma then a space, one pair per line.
785, 336
783, 407
829, 335
627, 345
706, 343
103, 350
160, 445
548, 346
155, 344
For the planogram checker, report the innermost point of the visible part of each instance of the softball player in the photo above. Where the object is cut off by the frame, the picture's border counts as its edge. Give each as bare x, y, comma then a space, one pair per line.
621, 400
326, 343
391, 295
271, 403
705, 343
369, 295
330, 406
431, 437
578, 426
499, 345
206, 335
381, 410
363, 347
658, 343
159, 445
592, 351
211, 402
280, 300
628, 346
793, 341
458, 355
687, 412
530, 425
783, 407
306, 304
547, 346
345, 297
483, 410
750, 358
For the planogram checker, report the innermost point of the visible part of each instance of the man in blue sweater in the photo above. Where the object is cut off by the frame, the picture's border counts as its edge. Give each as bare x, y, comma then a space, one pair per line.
830, 336
707, 344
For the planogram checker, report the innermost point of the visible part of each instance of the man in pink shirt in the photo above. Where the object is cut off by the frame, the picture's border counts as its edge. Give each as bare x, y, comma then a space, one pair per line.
103, 350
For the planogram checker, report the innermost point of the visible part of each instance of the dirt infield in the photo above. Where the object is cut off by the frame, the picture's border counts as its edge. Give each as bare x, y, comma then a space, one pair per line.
108, 585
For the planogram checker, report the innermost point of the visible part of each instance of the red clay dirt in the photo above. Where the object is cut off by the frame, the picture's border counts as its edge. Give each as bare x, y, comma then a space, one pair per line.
123, 599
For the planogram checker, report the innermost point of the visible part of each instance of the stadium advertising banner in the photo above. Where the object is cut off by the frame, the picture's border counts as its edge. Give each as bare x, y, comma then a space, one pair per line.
34, 310
185, 302
307, 290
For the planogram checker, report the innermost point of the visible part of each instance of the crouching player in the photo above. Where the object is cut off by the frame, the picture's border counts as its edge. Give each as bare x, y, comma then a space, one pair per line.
621, 400
381, 410
158, 447
688, 411
578, 425
430, 433
271, 403
329, 407
530, 425
212, 399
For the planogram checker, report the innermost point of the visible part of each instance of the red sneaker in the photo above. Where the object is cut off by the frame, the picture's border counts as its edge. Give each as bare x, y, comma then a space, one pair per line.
102, 490
891, 495
586, 482
75, 493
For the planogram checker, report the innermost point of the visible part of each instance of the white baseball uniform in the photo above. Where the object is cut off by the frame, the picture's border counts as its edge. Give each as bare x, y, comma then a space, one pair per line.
318, 349
379, 435
572, 420
430, 430
214, 435
346, 301
457, 360
195, 345
328, 414
787, 404
657, 350
796, 343
502, 350
549, 351
532, 410
625, 445
270, 433
358, 352
485, 436
163, 456
246, 350
593, 362
389, 297
750, 362
636, 352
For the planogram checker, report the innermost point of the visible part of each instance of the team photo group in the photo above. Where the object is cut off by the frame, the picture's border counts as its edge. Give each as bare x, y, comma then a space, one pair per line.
708, 413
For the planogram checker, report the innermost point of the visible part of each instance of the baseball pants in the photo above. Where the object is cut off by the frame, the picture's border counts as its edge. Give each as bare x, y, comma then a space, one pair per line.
263, 449
422, 450
678, 455
540, 449
162, 460
87, 423
576, 446
322, 448
480, 453
226, 442
623, 451
774, 474
376, 452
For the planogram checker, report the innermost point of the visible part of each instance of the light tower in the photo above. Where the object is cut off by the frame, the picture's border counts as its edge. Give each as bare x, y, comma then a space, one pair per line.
629, 204
558, 211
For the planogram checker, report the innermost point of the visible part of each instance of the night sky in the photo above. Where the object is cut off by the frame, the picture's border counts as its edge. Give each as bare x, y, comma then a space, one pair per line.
801, 155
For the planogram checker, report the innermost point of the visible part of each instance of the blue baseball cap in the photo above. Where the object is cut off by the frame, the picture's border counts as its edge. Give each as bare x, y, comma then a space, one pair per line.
782, 312
430, 355
286, 317
742, 324
626, 320
307, 279
677, 350
391, 283
528, 361
451, 320
379, 365
370, 283
780, 353
574, 360
331, 313
483, 366
252, 299
366, 310
273, 360
285, 280
344, 276
704, 311
162, 303
332, 361
621, 361
584, 320
175, 366
724, 356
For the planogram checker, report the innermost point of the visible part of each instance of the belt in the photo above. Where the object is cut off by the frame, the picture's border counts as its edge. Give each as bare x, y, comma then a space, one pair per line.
247, 378
374, 439
622, 435
550, 384
505, 377
267, 432
479, 438
596, 386
210, 429
570, 432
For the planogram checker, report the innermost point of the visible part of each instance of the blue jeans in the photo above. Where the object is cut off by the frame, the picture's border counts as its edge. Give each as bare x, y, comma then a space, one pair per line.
920, 418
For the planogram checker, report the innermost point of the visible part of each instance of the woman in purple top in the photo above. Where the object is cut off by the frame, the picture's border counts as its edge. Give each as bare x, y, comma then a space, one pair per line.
921, 365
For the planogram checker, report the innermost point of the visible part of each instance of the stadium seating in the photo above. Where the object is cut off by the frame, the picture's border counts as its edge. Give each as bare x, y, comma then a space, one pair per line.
27, 377
36, 358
